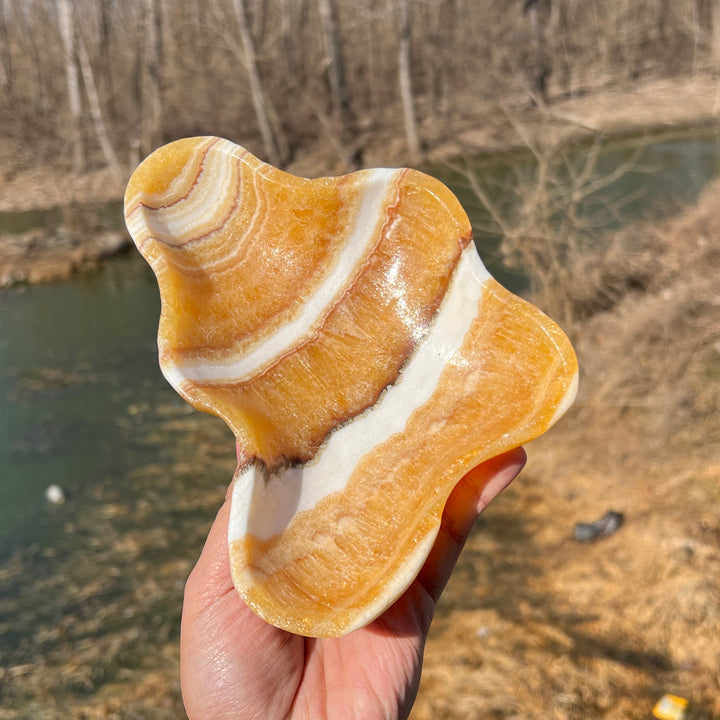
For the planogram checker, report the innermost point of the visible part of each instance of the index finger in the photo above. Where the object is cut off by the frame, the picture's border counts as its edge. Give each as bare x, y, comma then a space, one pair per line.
468, 499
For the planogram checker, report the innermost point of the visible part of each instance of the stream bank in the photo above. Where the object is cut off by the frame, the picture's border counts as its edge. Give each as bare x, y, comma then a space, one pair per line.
503, 126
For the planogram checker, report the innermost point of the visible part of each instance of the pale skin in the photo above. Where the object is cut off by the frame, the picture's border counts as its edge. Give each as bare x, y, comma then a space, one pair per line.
235, 665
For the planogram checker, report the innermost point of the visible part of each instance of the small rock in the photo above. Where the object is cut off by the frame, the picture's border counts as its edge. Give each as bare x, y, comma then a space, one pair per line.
54, 494
607, 525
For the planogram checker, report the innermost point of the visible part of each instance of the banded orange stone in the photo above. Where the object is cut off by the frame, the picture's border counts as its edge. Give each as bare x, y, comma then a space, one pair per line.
348, 333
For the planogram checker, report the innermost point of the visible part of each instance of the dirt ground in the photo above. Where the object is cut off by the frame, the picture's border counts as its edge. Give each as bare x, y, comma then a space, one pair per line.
533, 624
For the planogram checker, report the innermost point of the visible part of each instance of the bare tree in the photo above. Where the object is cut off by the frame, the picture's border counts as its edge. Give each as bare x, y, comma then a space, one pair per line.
273, 149
305, 72
537, 12
152, 120
437, 55
7, 74
333, 60
295, 28
545, 220
67, 32
715, 38
96, 111
405, 80
105, 65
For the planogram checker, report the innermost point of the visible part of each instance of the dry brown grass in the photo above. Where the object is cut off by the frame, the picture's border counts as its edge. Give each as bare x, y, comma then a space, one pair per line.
535, 625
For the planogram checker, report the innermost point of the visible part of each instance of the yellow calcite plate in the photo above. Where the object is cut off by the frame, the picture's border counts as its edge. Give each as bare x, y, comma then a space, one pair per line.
348, 333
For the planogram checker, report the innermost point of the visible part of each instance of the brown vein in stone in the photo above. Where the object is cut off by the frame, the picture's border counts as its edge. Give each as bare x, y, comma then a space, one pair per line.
287, 410
505, 393
137, 203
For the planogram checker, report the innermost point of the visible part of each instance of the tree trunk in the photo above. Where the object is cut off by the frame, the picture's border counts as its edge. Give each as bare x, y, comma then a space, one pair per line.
67, 32
405, 79
333, 61
106, 63
715, 37
286, 36
96, 112
259, 15
541, 68
270, 142
152, 121
138, 92
7, 72
437, 54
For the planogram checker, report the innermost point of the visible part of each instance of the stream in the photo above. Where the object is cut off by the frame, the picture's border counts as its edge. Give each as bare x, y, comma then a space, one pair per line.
91, 589
83, 403
78, 358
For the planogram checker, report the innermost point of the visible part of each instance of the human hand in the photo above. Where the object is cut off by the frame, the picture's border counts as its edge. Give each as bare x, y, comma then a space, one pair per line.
235, 665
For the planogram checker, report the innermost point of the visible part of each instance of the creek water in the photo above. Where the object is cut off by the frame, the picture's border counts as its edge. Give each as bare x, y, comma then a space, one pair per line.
633, 179
78, 358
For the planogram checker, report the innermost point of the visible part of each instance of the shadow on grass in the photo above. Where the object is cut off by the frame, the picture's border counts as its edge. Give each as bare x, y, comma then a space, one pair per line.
502, 569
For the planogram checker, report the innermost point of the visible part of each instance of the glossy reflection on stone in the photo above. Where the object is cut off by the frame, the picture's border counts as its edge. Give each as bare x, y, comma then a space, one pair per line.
348, 333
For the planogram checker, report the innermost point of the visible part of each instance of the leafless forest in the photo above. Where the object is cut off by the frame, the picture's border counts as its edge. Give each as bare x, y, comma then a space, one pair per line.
86, 82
